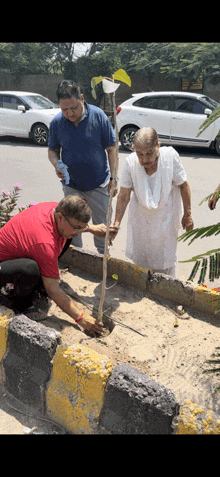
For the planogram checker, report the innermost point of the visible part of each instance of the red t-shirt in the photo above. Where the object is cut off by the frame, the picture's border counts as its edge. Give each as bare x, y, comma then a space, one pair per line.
33, 234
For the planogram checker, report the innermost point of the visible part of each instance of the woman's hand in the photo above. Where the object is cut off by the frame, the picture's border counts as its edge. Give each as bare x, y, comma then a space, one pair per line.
112, 233
187, 222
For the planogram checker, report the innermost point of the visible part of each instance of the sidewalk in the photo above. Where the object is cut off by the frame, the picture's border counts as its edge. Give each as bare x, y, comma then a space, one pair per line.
15, 418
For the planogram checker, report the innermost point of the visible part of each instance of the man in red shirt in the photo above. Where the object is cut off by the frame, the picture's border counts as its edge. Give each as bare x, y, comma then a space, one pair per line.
30, 245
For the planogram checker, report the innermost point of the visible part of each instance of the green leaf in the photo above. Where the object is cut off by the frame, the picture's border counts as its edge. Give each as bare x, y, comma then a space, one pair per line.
213, 361
209, 371
115, 277
121, 75
96, 80
200, 232
94, 94
194, 271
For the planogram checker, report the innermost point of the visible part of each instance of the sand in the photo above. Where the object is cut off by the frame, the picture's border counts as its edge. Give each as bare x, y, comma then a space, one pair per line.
171, 355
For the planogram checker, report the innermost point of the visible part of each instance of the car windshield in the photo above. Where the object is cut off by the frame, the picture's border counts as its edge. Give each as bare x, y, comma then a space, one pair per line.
39, 102
210, 102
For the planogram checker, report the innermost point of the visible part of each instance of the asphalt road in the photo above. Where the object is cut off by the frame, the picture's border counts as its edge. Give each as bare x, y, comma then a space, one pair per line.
23, 162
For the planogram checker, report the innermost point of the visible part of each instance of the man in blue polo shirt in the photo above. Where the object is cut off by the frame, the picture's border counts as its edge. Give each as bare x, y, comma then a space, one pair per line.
80, 136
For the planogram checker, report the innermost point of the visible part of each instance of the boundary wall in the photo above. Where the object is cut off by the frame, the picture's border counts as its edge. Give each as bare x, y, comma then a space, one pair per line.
79, 388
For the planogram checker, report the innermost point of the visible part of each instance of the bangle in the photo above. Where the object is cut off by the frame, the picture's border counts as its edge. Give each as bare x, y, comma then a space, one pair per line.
78, 319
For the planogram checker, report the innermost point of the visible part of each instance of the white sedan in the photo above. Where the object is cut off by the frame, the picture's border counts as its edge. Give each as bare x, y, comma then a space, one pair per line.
176, 116
24, 114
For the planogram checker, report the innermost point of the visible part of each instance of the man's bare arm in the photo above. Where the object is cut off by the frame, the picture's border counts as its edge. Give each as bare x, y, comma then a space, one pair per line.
65, 303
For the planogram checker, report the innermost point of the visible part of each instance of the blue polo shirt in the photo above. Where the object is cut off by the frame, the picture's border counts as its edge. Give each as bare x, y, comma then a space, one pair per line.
83, 147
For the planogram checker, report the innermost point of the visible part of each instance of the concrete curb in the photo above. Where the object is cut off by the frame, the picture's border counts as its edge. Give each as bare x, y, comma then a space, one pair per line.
194, 419
134, 404
75, 394
27, 361
79, 388
127, 272
199, 298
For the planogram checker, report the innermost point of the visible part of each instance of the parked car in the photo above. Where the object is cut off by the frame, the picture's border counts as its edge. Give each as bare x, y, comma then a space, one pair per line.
176, 116
24, 114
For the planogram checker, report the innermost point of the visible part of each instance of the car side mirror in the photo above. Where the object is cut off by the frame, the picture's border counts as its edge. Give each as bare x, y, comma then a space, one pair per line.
208, 111
21, 107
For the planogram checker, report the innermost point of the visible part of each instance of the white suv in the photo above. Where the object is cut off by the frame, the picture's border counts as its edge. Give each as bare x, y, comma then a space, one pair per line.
26, 115
176, 116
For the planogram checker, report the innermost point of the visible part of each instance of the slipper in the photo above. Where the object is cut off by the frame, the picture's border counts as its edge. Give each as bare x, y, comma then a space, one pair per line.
36, 314
31, 309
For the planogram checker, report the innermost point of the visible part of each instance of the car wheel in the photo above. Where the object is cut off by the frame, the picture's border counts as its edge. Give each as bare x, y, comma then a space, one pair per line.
127, 137
40, 134
217, 146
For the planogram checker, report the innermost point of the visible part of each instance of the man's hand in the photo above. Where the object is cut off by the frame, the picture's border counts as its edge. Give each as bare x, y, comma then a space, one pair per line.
97, 230
100, 230
91, 324
60, 174
212, 202
187, 222
67, 305
115, 189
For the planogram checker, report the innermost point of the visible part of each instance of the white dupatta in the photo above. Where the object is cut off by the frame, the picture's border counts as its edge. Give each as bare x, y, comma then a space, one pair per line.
163, 185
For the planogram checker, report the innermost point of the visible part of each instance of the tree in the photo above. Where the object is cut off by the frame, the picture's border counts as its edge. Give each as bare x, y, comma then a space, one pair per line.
24, 58
37, 58
180, 60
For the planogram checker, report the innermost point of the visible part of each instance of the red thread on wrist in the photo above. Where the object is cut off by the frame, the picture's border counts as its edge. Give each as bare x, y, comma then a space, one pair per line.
78, 319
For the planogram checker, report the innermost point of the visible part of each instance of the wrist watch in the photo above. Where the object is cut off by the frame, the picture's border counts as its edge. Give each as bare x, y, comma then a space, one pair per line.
116, 179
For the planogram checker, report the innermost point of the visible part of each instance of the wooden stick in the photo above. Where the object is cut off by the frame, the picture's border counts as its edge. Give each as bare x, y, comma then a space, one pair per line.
105, 257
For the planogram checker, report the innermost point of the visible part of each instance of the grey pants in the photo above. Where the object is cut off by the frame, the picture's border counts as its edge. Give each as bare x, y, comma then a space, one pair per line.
98, 200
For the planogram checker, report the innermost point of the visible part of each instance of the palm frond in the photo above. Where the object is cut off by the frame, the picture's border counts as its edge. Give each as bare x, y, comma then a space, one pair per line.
214, 266
200, 232
201, 256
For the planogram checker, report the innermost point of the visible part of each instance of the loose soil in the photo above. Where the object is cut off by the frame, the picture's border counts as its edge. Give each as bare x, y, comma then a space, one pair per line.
171, 355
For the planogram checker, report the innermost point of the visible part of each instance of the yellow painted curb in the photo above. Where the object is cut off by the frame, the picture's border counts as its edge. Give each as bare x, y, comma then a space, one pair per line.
75, 394
197, 420
206, 299
5, 315
128, 273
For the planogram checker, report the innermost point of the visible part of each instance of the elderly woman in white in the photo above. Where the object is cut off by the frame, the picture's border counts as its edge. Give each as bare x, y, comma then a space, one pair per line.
160, 192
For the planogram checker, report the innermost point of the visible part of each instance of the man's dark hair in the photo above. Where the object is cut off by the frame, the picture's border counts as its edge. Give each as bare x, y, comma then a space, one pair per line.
75, 206
67, 89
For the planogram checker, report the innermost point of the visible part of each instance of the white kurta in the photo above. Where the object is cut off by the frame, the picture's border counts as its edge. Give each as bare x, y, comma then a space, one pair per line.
155, 210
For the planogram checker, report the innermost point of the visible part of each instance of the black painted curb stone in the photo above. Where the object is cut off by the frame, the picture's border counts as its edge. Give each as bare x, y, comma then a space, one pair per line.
27, 362
134, 404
